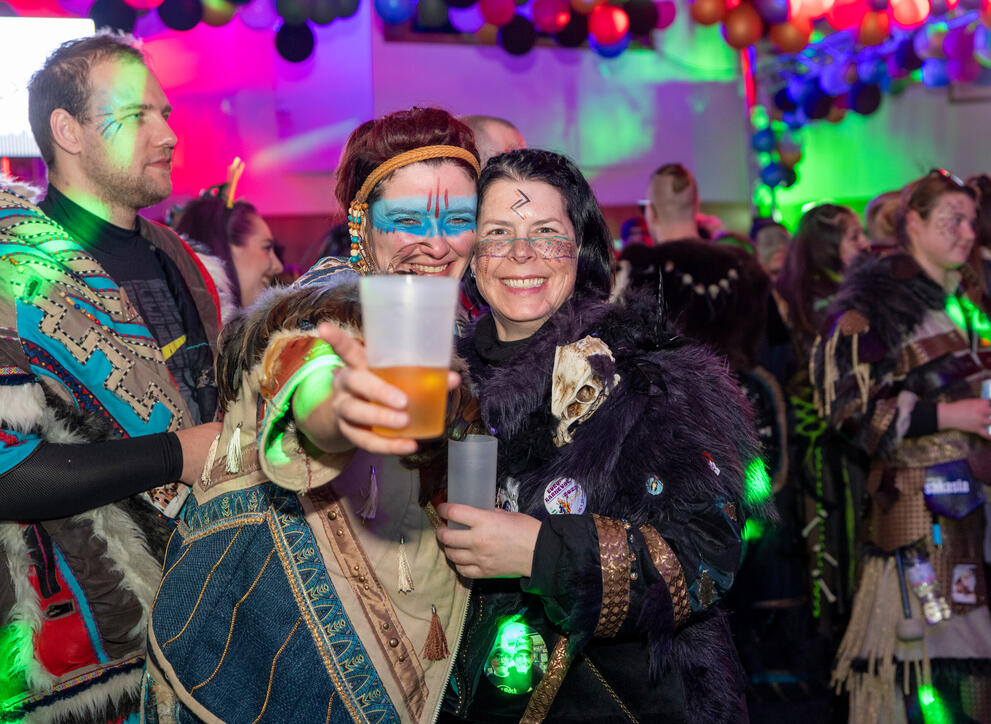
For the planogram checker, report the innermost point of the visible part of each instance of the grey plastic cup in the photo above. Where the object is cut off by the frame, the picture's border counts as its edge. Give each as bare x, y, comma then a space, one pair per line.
471, 472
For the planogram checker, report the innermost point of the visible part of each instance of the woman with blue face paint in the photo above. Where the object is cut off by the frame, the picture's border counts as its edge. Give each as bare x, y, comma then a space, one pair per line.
305, 582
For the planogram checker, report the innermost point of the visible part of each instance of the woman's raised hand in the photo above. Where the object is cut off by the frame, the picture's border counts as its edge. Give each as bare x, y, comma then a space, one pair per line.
337, 414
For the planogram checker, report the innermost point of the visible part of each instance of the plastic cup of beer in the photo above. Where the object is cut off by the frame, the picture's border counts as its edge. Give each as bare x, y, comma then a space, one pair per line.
471, 472
408, 323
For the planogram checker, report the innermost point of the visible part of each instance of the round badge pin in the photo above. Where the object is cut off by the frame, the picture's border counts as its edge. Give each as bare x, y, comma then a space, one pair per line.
564, 496
517, 658
655, 486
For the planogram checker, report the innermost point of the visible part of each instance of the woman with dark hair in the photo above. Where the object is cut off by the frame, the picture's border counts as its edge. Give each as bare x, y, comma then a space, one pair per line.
238, 236
899, 371
294, 590
828, 238
622, 460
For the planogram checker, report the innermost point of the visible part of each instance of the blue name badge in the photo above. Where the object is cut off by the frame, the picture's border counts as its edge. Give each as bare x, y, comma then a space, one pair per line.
950, 491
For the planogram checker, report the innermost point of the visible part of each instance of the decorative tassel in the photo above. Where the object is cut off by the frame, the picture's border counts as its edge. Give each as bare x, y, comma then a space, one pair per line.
371, 496
208, 465
435, 648
405, 570
234, 451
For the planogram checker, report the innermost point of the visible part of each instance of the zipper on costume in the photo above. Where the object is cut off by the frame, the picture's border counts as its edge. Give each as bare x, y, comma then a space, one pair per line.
454, 656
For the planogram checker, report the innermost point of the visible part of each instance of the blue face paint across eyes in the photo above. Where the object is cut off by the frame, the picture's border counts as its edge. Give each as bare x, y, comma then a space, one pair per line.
425, 216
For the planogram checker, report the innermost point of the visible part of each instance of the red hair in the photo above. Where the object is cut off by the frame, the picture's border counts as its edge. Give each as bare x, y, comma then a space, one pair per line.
375, 142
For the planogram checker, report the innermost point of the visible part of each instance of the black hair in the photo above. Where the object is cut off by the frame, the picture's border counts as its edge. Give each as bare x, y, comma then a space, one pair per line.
593, 237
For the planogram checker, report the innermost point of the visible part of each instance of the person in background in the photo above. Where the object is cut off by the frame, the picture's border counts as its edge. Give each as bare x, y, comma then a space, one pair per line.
493, 136
898, 371
772, 240
879, 216
108, 328
234, 232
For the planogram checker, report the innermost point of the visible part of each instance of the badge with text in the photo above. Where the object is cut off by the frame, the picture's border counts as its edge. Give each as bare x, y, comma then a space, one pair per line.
950, 491
564, 496
964, 587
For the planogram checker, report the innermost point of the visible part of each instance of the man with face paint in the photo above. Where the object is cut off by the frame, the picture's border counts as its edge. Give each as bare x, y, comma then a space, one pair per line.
107, 329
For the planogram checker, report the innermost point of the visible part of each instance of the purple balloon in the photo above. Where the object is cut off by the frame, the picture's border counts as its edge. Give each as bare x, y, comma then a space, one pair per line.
963, 71
880, 5
970, 4
870, 70
935, 73
773, 11
833, 78
959, 44
466, 20
259, 14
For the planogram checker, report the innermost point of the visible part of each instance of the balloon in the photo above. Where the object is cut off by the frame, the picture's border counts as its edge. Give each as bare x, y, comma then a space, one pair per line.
939, 7
963, 71
488, 34
782, 101
394, 12
743, 26
666, 13
833, 78
143, 4
585, 6
76, 7
498, 12
643, 15
294, 42
795, 119
791, 37
294, 12
461, 4
846, 14
322, 12
345, 8
810, 9
959, 44
707, 12
466, 20
113, 14
518, 36
608, 24
816, 104
550, 16
909, 13
788, 177
575, 32
789, 157
870, 70
763, 140
772, 174
772, 11
431, 14
609, 51
982, 45
874, 28
259, 14
799, 87
878, 5
935, 73
905, 56
970, 5
217, 12
864, 98
181, 14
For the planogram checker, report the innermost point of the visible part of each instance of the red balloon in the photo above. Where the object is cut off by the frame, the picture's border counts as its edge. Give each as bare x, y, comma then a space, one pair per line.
666, 12
707, 12
793, 36
743, 26
550, 16
873, 29
909, 13
498, 12
846, 13
608, 24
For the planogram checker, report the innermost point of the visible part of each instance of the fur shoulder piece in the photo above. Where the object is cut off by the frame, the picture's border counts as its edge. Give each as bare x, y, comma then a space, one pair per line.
891, 294
280, 309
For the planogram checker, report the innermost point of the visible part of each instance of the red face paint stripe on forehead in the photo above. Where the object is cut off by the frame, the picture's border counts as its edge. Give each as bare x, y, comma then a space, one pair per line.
447, 205
430, 197
437, 207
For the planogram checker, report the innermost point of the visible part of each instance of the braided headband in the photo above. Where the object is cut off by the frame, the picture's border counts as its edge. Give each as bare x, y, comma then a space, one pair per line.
357, 208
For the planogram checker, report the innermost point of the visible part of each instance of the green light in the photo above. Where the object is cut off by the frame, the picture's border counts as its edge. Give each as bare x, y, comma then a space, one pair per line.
816, 37
753, 530
764, 158
758, 117
16, 646
934, 711
968, 317
757, 483
763, 195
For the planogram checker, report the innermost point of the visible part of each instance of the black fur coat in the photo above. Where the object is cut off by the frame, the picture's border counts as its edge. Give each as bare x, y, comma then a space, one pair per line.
671, 449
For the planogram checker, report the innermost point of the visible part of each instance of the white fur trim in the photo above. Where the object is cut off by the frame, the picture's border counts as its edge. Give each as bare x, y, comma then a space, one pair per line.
128, 549
225, 287
26, 608
906, 406
91, 704
22, 407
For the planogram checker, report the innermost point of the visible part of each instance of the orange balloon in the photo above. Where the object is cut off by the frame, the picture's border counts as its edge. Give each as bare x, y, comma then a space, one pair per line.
217, 12
488, 34
743, 26
836, 114
789, 157
874, 28
707, 12
909, 13
791, 37
585, 6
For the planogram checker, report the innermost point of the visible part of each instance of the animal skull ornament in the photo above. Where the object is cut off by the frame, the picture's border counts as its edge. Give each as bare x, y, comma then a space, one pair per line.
576, 391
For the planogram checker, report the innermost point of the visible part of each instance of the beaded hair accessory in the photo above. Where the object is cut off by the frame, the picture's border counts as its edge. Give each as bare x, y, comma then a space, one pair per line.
234, 172
359, 206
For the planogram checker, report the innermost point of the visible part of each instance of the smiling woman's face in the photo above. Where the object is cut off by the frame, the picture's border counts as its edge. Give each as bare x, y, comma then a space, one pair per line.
424, 220
526, 258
